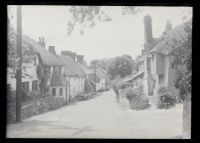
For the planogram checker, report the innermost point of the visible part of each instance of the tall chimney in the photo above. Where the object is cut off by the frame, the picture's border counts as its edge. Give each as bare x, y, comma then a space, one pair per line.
52, 50
148, 29
80, 59
168, 26
41, 41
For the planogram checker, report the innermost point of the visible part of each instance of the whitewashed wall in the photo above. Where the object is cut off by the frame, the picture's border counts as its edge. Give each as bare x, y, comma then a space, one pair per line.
76, 85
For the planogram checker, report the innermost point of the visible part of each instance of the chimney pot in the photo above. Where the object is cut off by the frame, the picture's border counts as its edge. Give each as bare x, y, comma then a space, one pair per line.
52, 50
80, 59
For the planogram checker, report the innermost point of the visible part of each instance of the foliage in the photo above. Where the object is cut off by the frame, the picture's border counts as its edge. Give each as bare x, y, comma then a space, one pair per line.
11, 105
120, 66
165, 98
13, 58
87, 16
136, 99
102, 63
43, 73
54, 102
182, 63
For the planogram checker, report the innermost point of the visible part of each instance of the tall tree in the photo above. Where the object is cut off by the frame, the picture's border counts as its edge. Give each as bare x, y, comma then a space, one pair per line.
120, 66
182, 63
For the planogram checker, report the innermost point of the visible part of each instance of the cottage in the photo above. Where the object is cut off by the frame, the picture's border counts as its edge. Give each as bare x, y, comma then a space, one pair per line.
42, 59
46, 71
154, 65
73, 72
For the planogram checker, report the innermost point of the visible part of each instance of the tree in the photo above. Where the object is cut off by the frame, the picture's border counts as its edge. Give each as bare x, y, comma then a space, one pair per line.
120, 66
87, 16
182, 63
102, 63
13, 58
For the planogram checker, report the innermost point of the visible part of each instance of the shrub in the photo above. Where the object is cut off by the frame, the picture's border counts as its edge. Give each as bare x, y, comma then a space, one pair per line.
136, 100
80, 97
34, 94
165, 98
51, 103
101, 90
11, 105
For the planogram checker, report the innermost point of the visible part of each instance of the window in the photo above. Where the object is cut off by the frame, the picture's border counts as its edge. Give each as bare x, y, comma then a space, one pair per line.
25, 86
54, 91
61, 91
34, 85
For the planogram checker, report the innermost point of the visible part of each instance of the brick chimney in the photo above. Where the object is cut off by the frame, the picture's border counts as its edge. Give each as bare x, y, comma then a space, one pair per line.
42, 42
52, 50
148, 29
80, 59
70, 54
168, 26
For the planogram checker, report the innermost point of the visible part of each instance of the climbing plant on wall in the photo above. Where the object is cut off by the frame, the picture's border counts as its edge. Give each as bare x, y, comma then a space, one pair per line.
43, 73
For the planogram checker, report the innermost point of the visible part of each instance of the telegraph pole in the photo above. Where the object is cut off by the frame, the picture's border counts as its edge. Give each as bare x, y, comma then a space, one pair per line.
19, 70
95, 76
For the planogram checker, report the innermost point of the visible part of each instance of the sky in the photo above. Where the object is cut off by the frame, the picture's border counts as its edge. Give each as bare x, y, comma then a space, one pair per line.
122, 35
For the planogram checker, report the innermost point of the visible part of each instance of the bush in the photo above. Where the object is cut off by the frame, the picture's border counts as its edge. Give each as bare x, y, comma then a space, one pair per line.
54, 102
80, 97
165, 98
11, 105
101, 90
136, 100
34, 94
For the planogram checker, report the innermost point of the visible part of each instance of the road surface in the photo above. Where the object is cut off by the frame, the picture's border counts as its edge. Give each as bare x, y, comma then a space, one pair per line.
100, 117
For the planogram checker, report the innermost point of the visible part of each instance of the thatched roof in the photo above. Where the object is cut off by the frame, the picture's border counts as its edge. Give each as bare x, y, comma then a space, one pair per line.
67, 69
100, 73
46, 57
74, 68
57, 79
87, 70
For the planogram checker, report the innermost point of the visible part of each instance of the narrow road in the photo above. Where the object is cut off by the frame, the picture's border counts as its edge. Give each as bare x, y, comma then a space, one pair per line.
101, 117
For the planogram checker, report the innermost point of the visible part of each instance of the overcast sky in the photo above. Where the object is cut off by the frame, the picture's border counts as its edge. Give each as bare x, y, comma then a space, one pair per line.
122, 35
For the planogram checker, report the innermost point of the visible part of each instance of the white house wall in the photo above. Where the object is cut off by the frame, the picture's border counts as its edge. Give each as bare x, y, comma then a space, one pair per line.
101, 84
76, 85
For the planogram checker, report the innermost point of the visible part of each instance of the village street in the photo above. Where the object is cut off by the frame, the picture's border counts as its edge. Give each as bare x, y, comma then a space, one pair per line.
100, 117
